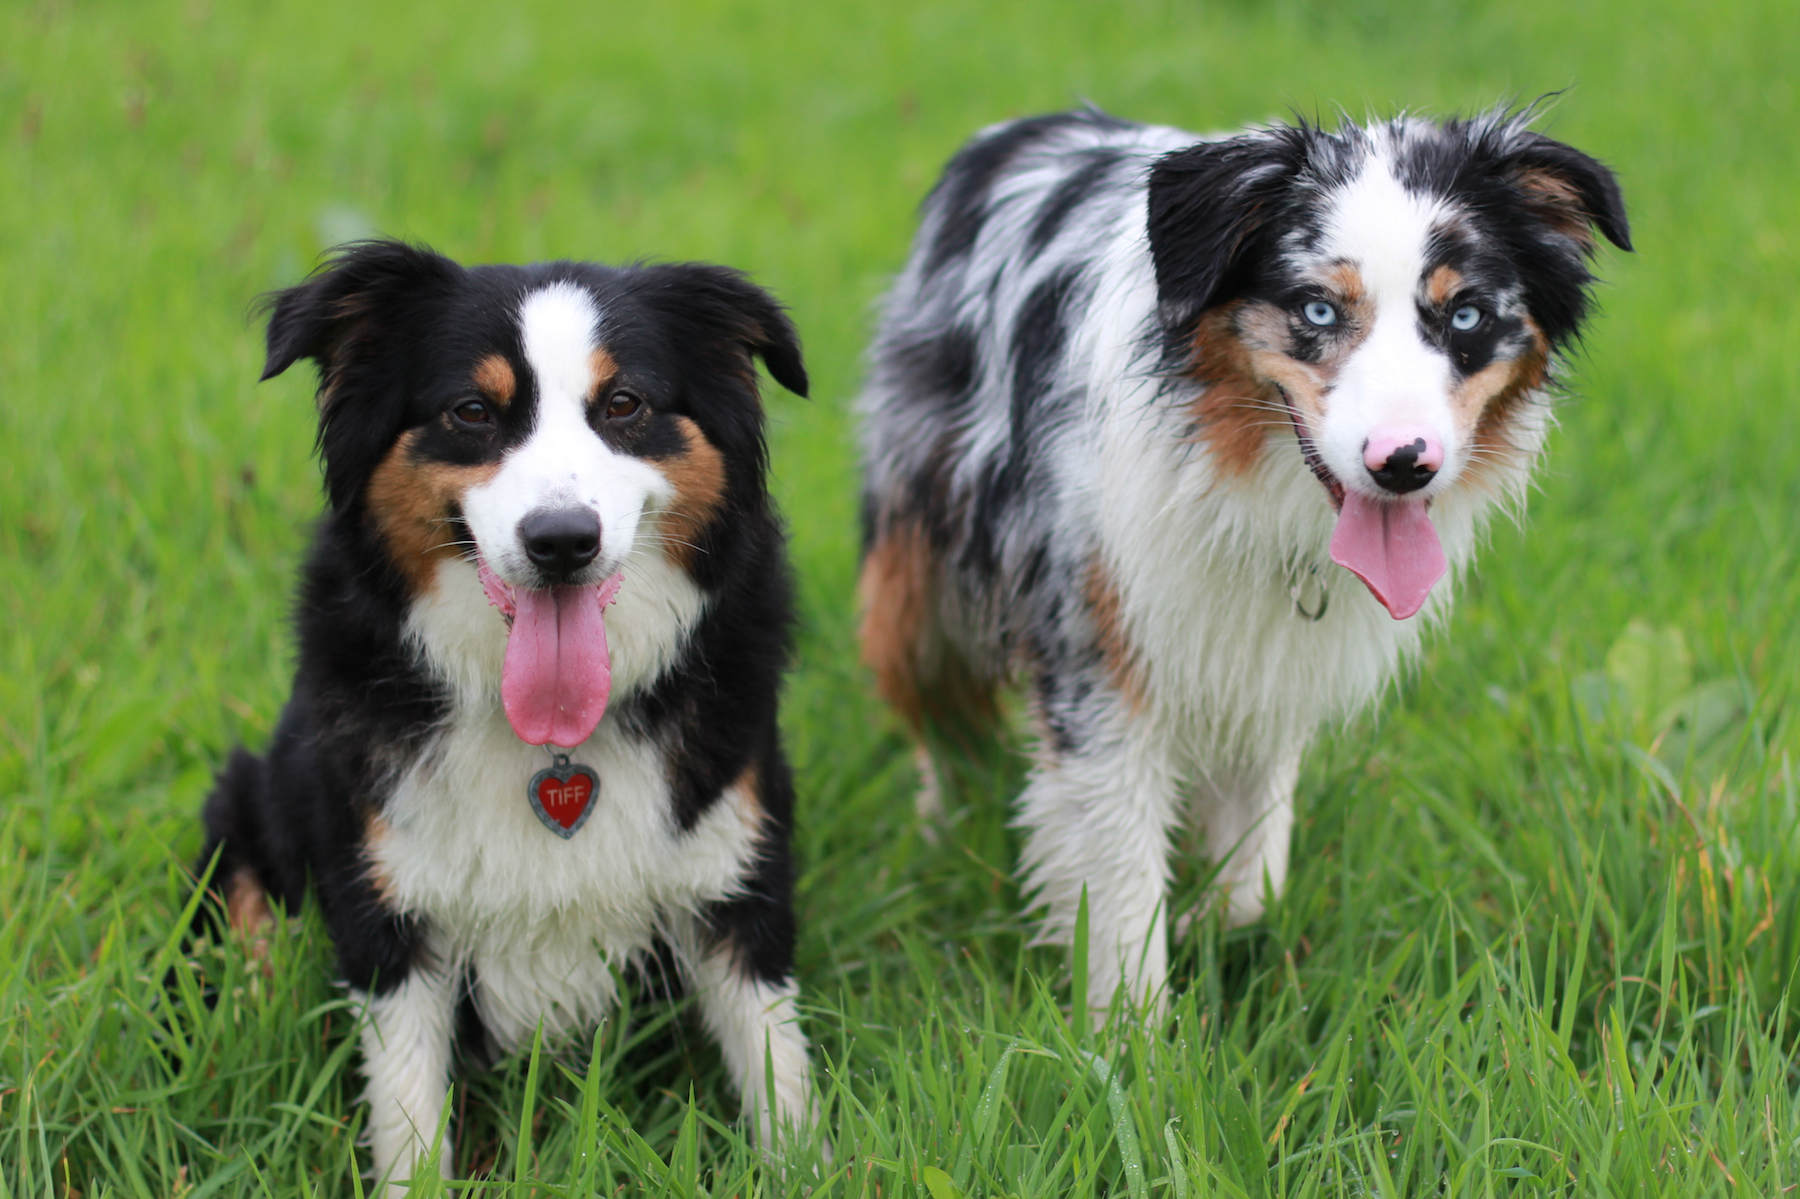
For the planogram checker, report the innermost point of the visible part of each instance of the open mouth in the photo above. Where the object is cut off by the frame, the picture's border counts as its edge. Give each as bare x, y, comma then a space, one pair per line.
1309, 453
1390, 544
558, 671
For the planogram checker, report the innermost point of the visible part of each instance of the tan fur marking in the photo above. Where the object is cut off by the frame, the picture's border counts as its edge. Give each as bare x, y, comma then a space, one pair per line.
352, 328
1469, 399
1106, 609
745, 797
247, 904
1347, 282
375, 831
1237, 409
699, 480
748, 792
603, 369
894, 590
410, 501
1443, 285
248, 916
1244, 352
925, 679
1490, 397
1557, 201
494, 379
373, 834
1344, 283
1304, 383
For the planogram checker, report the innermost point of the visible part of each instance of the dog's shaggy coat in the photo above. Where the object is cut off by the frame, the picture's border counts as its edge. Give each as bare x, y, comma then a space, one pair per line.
1133, 394
506, 449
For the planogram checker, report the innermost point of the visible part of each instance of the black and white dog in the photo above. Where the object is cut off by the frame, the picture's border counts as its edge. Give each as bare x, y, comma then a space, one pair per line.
1134, 394
532, 738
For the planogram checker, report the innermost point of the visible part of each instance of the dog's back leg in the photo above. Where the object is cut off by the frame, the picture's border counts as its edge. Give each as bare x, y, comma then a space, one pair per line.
919, 670
232, 838
1247, 816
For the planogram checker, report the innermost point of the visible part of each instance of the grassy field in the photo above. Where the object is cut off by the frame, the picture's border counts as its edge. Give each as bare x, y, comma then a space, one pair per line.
1545, 914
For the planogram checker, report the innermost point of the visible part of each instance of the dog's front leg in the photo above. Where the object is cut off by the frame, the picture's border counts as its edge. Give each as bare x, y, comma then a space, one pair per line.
406, 1041
1097, 813
1247, 815
758, 1033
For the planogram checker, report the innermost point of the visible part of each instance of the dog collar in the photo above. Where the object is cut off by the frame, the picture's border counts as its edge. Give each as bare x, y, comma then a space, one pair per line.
1310, 591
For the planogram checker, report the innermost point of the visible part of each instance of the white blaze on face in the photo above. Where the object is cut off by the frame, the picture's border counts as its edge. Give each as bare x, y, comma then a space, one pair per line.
563, 462
1394, 378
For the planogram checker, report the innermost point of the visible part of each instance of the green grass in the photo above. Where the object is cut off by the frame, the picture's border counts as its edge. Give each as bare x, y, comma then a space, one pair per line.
1542, 929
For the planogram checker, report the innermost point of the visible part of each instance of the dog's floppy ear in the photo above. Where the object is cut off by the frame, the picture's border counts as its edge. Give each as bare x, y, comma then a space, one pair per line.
1568, 188
769, 333
1208, 205
321, 318
352, 318
716, 308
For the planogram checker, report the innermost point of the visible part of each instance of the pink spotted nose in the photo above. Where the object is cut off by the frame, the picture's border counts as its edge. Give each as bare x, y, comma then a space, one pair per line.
1403, 458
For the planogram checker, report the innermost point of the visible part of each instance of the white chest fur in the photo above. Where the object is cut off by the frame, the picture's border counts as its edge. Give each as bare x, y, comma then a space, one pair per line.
1204, 567
544, 920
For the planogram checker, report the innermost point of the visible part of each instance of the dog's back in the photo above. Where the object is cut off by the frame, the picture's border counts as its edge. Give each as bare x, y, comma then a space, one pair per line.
972, 412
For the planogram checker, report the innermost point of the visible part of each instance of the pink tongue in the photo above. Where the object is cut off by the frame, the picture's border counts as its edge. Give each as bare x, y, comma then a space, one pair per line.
1392, 547
558, 670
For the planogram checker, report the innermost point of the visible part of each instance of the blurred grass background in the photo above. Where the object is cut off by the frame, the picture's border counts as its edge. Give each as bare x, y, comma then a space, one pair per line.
1543, 921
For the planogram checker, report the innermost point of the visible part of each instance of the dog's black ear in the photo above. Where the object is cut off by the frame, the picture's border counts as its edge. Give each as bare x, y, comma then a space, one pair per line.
717, 307
1568, 188
335, 308
1210, 204
357, 318
771, 336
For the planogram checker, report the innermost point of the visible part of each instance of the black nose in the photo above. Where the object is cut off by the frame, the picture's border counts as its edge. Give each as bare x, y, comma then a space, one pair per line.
561, 540
1404, 471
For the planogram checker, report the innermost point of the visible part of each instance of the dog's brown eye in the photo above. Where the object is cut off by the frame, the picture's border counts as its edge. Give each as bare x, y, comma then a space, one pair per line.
473, 412
623, 404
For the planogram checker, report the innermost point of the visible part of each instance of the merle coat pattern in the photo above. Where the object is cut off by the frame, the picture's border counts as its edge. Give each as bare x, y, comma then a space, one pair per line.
1133, 395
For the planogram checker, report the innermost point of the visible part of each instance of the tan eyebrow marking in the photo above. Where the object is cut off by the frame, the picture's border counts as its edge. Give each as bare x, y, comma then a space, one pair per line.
1349, 283
494, 379
1444, 283
603, 369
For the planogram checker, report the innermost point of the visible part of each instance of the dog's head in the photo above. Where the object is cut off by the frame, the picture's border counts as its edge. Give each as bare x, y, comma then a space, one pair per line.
1395, 292
548, 422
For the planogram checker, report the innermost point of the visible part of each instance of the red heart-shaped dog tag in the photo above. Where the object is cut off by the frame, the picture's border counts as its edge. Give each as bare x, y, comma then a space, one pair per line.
563, 796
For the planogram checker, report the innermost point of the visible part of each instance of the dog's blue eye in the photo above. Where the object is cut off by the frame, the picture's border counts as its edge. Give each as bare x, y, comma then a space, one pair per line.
1320, 313
1465, 318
